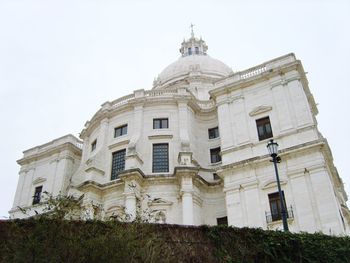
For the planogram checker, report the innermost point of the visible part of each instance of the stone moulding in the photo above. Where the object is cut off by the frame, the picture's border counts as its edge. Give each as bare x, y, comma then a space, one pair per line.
260, 109
39, 180
271, 183
160, 136
117, 144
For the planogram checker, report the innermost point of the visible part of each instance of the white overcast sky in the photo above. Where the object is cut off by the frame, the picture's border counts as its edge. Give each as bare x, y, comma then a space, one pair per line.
60, 60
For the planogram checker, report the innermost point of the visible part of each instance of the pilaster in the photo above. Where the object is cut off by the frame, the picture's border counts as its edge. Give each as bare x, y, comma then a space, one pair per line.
183, 124
133, 180
19, 189
185, 176
225, 127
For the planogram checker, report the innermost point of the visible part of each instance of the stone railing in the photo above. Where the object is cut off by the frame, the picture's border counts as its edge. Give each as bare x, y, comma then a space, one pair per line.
54, 143
79, 145
205, 104
252, 72
160, 93
165, 93
121, 101
257, 70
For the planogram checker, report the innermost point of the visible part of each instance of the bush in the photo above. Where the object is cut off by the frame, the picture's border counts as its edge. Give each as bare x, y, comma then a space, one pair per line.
57, 240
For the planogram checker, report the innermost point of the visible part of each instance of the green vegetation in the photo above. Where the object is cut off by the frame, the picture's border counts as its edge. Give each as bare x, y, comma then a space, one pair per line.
57, 240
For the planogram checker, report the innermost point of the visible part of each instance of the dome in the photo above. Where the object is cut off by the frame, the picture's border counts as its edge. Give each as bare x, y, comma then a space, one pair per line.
195, 63
194, 60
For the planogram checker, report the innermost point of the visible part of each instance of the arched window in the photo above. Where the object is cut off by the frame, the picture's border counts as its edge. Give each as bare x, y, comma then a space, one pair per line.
196, 50
189, 50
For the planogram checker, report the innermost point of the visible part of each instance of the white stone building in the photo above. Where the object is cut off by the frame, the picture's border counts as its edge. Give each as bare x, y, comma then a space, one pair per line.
196, 144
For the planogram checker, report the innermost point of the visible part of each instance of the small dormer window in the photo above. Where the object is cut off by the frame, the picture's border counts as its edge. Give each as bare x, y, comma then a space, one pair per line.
189, 51
196, 49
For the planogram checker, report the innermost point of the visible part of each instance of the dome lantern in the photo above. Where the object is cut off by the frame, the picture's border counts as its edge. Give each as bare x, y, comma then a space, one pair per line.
193, 46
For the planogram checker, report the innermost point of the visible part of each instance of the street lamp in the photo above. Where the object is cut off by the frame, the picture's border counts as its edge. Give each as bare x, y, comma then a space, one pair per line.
273, 150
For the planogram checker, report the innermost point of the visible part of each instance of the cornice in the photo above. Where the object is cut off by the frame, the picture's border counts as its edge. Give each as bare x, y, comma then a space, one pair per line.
147, 98
118, 144
252, 144
235, 84
160, 136
51, 151
263, 158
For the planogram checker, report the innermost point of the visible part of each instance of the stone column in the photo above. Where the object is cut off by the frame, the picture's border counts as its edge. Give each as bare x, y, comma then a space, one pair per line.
252, 205
27, 198
183, 124
239, 120
234, 211
19, 189
132, 158
103, 134
132, 188
326, 202
225, 127
187, 208
130, 205
185, 176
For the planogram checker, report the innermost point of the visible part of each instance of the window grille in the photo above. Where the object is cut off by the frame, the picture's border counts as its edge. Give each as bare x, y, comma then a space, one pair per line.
118, 163
160, 158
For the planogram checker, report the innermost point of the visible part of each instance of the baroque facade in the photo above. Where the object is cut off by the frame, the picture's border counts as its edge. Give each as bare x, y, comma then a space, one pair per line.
196, 145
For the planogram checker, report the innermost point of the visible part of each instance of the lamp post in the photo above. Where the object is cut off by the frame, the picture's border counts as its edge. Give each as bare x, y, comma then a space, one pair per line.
273, 150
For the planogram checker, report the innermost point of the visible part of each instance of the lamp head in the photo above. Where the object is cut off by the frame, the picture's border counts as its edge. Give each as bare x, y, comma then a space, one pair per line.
272, 147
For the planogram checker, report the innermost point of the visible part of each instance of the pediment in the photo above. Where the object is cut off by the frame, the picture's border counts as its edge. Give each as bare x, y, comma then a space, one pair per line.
272, 183
39, 180
159, 202
259, 110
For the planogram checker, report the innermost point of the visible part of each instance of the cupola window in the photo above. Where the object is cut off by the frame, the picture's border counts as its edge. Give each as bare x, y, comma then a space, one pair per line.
189, 51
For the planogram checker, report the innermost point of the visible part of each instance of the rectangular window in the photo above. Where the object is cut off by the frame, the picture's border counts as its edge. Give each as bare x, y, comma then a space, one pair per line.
37, 194
264, 128
121, 130
213, 133
215, 156
93, 145
222, 221
275, 205
118, 163
160, 158
160, 123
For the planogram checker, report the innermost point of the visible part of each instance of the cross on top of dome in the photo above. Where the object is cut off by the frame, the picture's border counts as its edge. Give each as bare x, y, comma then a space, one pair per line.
193, 46
191, 26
